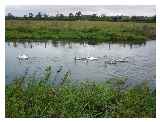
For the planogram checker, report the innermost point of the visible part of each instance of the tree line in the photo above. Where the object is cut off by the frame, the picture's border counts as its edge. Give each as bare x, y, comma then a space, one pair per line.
79, 16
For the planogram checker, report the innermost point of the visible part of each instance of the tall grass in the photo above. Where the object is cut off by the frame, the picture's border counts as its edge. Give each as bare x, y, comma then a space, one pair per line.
91, 31
39, 98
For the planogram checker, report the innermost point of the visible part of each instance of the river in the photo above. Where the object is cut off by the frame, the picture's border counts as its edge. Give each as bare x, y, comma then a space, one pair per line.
140, 65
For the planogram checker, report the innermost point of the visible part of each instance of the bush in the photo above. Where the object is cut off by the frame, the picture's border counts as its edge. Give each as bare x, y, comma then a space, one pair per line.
39, 98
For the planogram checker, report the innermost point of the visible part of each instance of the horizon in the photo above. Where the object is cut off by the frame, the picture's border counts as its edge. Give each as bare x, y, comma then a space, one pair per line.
109, 10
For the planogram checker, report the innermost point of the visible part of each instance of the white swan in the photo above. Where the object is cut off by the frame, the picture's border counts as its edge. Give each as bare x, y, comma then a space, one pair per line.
112, 62
78, 58
121, 60
23, 56
91, 58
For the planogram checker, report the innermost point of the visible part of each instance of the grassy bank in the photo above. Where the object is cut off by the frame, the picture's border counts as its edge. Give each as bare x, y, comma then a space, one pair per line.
38, 98
91, 31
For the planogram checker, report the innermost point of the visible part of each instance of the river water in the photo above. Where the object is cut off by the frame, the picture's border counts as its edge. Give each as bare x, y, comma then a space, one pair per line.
140, 65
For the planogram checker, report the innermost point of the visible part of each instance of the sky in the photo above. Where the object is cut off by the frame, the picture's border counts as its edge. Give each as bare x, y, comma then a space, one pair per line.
51, 10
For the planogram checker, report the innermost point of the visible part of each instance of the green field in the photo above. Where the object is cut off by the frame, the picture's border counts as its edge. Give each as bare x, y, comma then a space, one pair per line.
30, 97
78, 31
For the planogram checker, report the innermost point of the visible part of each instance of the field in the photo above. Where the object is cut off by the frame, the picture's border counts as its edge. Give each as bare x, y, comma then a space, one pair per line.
89, 31
30, 97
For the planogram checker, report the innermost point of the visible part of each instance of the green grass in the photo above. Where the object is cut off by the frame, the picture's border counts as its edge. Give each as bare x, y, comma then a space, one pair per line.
30, 97
78, 31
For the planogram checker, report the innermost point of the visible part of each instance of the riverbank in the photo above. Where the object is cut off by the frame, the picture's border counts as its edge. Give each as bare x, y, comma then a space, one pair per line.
30, 97
78, 31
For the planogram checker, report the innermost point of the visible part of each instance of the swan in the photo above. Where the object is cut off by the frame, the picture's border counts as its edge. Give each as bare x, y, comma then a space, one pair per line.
121, 60
78, 58
92, 58
23, 56
112, 62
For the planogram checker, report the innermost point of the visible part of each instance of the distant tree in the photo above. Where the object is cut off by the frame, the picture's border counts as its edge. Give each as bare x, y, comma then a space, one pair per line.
39, 15
30, 15
125, 18
133, 18
103, 15
45, 16
151, 19
114, 18
71, 15
10, 16
61, 15
78, 14
25, 16
94, 15
57, 15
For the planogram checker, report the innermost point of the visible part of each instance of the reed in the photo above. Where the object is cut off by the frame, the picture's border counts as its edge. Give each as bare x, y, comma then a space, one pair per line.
33, 97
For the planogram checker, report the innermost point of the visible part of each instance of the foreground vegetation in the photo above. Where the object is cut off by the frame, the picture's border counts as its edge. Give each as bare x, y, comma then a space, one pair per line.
78, 31
30, 97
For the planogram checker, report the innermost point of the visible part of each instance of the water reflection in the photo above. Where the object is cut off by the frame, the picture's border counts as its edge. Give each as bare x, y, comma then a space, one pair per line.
67, 44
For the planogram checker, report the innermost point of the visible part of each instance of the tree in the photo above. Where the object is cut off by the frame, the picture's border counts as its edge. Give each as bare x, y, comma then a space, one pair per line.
78, 14
25, 16
30, 15
61, 15
71, 15
10, 16
39, 15
94, 16
45, 16
114, 18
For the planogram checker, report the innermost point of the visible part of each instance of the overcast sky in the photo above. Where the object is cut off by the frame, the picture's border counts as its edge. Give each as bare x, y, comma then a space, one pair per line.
107, 10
